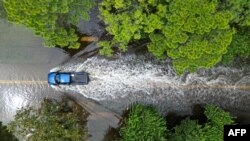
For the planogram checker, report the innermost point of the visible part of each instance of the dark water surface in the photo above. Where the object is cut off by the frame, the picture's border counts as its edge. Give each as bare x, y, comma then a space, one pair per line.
24, 64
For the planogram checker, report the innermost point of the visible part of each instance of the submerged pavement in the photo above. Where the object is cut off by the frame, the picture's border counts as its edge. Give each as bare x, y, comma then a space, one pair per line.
24, 65
100, 119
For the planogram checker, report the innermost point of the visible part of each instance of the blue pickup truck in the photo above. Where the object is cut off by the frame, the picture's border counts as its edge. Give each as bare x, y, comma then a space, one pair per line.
68, 78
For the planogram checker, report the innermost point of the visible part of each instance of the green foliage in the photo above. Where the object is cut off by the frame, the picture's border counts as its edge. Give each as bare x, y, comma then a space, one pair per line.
132, 20
240, 46
3, 13
217, 118
5, 135
105, 48
50, 19
188, 130
212, 130
54, 121
240, 10
143, 124
192, 32
195, 36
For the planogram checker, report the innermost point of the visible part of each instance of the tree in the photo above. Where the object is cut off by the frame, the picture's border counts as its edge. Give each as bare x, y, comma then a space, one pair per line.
53, 20
188, 130
240, 46
5, 135
193, 33
212, 130
196, 35
54, 121
129, 20
240, 10
2, 10
217, 118
143, 123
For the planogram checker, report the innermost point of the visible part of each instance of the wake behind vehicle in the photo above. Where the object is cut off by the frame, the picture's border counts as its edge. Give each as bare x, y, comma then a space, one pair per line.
68, 78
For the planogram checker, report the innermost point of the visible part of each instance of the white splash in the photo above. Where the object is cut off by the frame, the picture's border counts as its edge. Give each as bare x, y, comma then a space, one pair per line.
131, 78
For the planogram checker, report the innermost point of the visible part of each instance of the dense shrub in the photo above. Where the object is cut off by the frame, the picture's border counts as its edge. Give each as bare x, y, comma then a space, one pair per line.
50, 19
192, 32
143, 124
54, 121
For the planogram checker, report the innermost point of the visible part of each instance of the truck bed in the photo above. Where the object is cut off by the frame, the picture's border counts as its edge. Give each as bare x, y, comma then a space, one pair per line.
79, 78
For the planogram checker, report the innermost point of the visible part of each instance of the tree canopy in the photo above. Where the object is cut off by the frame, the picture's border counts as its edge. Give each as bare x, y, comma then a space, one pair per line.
3, 13
53, 20
212, 130
5, 135
193, 33
240, 46
143, 123
240, 10
53, 121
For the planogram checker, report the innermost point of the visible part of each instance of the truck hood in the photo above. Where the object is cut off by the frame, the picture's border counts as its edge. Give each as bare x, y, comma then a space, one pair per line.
51, 78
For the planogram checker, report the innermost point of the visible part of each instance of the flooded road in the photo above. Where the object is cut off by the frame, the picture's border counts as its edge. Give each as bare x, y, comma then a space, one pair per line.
24, 64
117, 83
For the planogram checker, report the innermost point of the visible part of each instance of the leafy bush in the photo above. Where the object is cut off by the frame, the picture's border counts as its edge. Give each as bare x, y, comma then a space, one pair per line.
53, 121
192, 32
212, 130
143, 124
50, 19
240, 46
